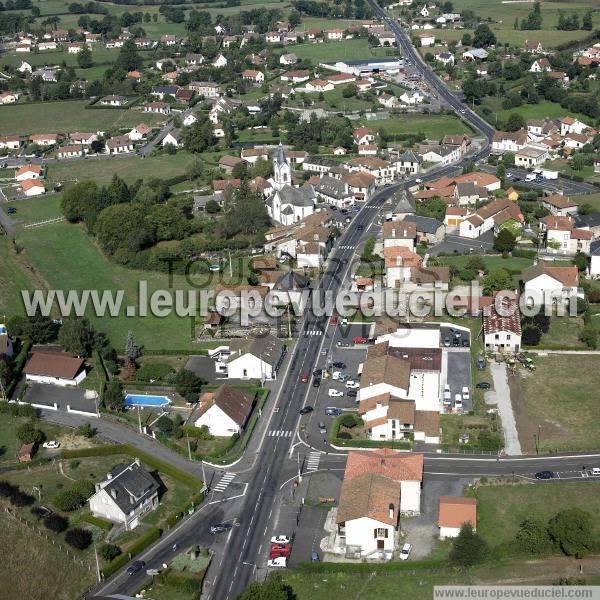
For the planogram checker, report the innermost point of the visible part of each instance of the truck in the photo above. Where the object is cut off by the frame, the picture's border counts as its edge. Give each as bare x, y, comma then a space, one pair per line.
549, 174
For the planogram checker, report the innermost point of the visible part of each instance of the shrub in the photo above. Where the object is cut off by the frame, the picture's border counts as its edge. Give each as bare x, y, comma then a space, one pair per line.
350, 420
78, 538
55, 522
6, 488
67, 500
110, 551
86, 430
468, 548
19, 498
28, 434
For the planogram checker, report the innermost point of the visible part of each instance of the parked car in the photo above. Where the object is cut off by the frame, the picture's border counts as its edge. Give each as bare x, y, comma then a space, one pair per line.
339, 365
359, 339
314, 556
465, 393
278, 550
352, 393
595, 471
447, 394
11, 210
333, 411
220, 528
332, 393
280, 539
51, 444
545, 475
135, 567
352, 385
317, 372
447, 342
322, 428
465, 343
277, 562
481, 362
405, 552
344, 377
304, 377
333, 320
458, 402
483, 385
336, 375
306, 409
316, 382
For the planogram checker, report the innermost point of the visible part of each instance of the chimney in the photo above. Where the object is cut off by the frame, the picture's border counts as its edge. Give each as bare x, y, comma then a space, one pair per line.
113, 493
393, 232
391, 509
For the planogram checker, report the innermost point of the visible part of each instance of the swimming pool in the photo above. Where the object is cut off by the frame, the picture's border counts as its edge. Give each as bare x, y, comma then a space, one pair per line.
144, 400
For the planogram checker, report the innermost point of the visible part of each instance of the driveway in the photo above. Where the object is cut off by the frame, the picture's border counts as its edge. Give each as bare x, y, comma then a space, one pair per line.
500, 396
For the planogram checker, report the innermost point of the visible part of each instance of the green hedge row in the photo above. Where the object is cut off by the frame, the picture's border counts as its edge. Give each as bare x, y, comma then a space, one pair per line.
336, 441
523, 253
180, 581
18, 364
92, 520
138, 546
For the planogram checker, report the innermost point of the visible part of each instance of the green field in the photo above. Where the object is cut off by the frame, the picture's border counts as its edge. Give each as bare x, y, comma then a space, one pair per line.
36, 569
129, 168
13, 279
491, 262
500, 509
432, 126
333, 51
561, 399
68, 116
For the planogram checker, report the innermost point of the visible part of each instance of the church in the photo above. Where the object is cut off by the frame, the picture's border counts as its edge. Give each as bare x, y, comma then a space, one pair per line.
288, 204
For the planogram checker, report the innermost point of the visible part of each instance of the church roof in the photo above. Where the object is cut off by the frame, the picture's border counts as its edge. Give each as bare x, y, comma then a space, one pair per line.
279, 155
302, 196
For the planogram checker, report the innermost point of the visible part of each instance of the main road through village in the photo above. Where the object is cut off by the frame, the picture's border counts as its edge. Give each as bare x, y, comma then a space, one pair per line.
254, 509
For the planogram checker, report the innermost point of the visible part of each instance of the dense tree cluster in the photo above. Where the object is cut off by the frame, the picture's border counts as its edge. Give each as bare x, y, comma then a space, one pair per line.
333, 131
345, 9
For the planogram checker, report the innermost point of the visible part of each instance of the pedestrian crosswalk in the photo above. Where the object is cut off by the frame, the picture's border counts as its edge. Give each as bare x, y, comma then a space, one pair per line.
279, 433
224, 482
313, 461
313, 332
347, 247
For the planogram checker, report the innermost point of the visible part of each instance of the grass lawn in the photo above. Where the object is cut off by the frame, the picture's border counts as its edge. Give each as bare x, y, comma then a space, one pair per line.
491, 262
68, 116
593, 199
432, 126
34, 210
57, 252
35, 569
564, 333
561, 396
128, 168
343, 50
13, 279
500, 509
543, 109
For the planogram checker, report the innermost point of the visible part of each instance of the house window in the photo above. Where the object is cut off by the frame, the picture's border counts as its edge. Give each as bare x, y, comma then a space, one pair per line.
245, 373
508, 336
497, 336
380, 532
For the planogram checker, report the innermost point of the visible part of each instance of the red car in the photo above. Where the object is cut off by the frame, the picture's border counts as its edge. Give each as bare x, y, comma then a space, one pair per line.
333, 320
359, 340
304, 377
278, 550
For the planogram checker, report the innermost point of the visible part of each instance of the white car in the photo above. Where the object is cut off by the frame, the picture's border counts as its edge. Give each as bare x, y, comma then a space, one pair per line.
447, 395
335, 393
352, 385
336, 375
280, 561
405, 552
458, 402
52, 444
465, 394
595, 471
280, 539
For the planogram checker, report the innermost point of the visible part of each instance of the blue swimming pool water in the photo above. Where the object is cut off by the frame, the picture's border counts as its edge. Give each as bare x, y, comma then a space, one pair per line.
143, 400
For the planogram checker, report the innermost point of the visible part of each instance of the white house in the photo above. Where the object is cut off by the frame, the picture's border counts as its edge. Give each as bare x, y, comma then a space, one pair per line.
6, 345
28, 172
32, 187
377, 488
139, 132
571, 125
595, 259
219, 62
548, 284
427, 40
562, 237
127, 494
530, 156
412, 98
224, 411
454, 512
502, 328
174, 138
56, 368
253, 358
508, 141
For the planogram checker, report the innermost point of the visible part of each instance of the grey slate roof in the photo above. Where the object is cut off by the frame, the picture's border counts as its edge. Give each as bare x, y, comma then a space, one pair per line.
291, 281
302, 196
279, 156
334, 188
267, 347
401, 202
409, 156
425, 224
589, 220
130, 485
595, 248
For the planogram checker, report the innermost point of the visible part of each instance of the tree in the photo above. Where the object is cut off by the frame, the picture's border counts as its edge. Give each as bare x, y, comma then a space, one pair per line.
505, 241
533, 20
466, 40
571, 531
587, 21
76, 336
129, 59
78, 538
531, 335
123, 229
483, 36
496, 280
188, 384
55, 522
431, 207
132, 350
86, 430
194, 170
78, 200
38, 329
113, 395
580, 261
468, 547
110, 551
6, 370
199, 137
165, 425
84, 58
67, 500
588, 334
515, 122
273, 588
28, 434
350, 90
532, 537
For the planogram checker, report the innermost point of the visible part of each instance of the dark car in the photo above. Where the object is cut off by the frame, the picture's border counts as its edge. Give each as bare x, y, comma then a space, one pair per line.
316, 382
305, 410
220, 528
455, 342
135, 567
360, 227
339, 365
544, 475
465, 343
352, 393
314, 556
483, 385
11, 210
317, 372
